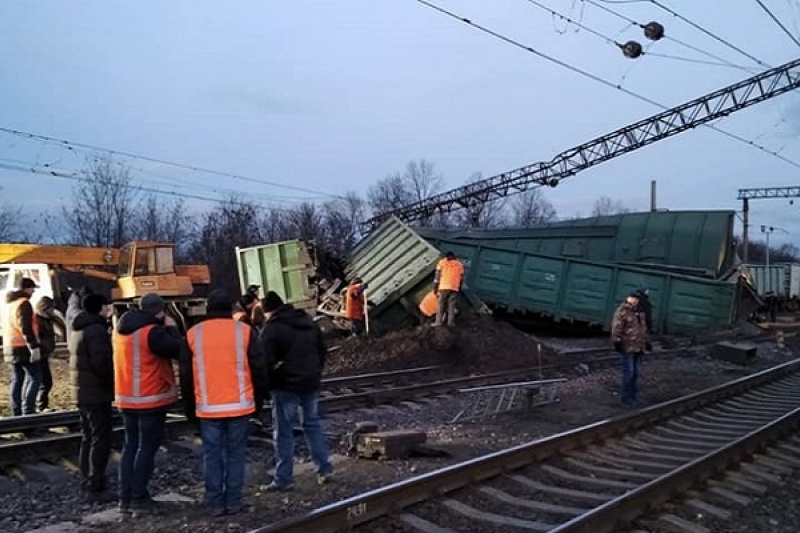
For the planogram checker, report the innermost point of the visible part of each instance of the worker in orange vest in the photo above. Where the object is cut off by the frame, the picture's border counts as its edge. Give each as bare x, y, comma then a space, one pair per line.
223, 381
21, 349
447, 283
354, 306
145, 341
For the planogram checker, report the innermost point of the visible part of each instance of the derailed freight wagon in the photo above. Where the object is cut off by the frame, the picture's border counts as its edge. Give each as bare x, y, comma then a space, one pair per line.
695, 243
398, 265
574, 290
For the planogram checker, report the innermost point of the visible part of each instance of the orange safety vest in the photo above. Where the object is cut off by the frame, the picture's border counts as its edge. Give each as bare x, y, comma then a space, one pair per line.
142, 380
223, 385
14, 324
353, 305
430, 304
451, 272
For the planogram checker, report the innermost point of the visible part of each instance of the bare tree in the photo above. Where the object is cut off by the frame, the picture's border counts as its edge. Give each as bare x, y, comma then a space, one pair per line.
531, 208
230, 224
307, 223
103, 207
606, 206
418, 182
343, 217
11, 222
274, 225
480, 214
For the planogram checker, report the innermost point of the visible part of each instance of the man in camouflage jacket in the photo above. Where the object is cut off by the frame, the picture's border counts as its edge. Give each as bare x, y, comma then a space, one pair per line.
629, 333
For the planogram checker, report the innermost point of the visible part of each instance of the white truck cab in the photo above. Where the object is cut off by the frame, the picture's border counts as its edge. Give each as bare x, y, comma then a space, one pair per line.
10, 276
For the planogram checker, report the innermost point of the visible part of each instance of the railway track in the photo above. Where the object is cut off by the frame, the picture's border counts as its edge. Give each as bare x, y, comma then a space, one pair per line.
603, 476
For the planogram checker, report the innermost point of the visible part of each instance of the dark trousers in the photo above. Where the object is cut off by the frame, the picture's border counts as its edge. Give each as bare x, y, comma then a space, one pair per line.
46, 385
95, 445
630, 375
358, 326
25, 378
224, 455
447, 307
143, 433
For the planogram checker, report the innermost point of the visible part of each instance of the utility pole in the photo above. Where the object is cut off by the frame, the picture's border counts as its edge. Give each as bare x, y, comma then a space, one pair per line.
763, 192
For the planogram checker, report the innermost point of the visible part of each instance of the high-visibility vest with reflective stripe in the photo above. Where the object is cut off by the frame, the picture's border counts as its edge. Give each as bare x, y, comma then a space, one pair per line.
223, 386
451, 271
16, 337
354, 305
142, 380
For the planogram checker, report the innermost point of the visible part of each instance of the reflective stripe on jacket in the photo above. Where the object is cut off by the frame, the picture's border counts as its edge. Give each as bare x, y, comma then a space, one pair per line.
16, 335
142, 380
223, 385
450, 272
354, 305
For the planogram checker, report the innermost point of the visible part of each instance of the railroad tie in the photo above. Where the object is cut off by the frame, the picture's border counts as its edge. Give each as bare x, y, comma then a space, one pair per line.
707, 508
682, 524
421, 524
493, 518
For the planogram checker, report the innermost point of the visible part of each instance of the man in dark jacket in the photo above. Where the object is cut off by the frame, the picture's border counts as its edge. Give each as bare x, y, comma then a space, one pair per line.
295, 353
144, 396
91, 371
49, 325
21, 349
223, 369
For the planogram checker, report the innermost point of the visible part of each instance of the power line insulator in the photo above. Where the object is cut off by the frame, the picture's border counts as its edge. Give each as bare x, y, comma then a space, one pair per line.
653, 31
632, 49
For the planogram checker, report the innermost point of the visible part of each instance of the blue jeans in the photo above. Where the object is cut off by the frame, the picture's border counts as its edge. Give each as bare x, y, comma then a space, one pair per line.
284, 415
25, 381
630, 373
142, 438
224, 454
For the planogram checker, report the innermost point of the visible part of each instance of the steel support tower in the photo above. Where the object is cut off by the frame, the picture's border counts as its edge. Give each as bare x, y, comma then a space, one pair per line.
745, 195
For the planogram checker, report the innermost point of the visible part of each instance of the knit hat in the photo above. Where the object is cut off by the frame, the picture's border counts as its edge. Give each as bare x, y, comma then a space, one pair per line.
27, 283
93, 303
151, 303
219, 300
271, 302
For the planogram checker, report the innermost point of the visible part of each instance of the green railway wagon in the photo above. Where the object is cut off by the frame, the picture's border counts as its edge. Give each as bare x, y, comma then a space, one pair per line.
588, 292
284, 267
695, 243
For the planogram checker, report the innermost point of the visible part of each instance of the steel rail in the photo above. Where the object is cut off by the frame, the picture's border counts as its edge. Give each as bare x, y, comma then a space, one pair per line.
390, 499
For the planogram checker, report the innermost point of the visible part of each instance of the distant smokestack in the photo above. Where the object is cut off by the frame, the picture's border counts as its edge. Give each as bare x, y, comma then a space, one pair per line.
652, 195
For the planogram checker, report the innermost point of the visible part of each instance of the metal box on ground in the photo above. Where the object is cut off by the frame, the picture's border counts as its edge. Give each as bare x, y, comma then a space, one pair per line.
397, 444
284, 267
735, 352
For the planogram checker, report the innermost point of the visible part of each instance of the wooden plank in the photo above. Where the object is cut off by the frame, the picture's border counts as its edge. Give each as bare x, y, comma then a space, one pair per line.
790, 460
649, 448
492, 518
589, 481
746, 482
705, 507
421, 524
772, 464
531, 504
729, 495
758, 472
681, 524
620, 472
669, 462
593, 497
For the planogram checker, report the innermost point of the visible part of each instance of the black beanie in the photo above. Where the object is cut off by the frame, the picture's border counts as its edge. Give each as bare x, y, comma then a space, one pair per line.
93, 303
271, 302
219, 300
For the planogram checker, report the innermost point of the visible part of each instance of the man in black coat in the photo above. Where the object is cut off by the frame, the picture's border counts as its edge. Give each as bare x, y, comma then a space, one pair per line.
91, 365
295, 353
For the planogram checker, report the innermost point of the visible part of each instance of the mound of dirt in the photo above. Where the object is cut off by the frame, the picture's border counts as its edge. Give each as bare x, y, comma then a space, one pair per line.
475, 344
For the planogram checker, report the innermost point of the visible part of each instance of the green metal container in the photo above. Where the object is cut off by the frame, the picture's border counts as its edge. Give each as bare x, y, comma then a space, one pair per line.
283, 267
567, 289
397, 265
697, 243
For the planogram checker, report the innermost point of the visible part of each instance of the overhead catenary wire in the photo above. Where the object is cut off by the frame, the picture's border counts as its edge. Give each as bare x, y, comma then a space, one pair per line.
72, 144
778, 22
668, 36
603, 81
607, 39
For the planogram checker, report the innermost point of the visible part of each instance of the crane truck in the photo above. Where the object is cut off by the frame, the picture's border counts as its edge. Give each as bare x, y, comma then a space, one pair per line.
123, 275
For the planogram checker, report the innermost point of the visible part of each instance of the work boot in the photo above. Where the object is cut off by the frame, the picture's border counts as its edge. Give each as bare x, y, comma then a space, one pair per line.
145, 506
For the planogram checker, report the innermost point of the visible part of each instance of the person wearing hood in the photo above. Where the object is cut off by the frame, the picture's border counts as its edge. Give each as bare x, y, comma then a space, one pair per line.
91, 371
21, 349
75, 306
50, 325
223, 374
145, 341
646, 307
295, 352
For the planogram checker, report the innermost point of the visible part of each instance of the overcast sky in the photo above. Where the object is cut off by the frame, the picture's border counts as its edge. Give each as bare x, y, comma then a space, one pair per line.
331, 96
